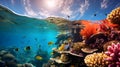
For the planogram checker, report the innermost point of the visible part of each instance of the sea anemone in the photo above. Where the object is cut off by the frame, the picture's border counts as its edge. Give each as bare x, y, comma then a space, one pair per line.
96, 60
114, 16
90, 29
114, 53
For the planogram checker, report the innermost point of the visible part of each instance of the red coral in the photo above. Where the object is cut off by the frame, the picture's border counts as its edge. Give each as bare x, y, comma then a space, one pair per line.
90, 29
105, 26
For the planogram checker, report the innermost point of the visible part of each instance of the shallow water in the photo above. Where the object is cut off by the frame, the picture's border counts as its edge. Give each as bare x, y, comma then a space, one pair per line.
20, 31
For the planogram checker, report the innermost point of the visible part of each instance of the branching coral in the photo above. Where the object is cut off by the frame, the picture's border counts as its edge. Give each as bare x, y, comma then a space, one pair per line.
114, 53
96, 60
114, 16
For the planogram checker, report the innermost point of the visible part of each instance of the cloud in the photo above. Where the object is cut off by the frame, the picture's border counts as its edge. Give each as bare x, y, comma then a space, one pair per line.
104, 4
62, 9
13, 2
28, 9
83, 7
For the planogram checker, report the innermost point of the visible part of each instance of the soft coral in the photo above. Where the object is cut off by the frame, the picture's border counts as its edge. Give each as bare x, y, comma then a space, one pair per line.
90, 29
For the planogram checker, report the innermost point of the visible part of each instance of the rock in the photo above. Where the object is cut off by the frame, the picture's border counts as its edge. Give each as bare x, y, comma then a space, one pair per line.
28, 65
2, 63
2, 52
8, 57
88, 50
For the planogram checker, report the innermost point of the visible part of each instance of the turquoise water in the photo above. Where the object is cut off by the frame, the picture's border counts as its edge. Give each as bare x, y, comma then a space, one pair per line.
20, 31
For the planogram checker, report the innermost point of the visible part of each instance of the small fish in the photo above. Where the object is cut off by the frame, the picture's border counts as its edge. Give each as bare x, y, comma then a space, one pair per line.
36, 39
16, 49
23, 36
50, 43
27, 48
106, 14
51, 53
38, 57
94, 14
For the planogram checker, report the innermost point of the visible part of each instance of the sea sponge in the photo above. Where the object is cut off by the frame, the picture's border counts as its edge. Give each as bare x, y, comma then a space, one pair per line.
114, 53
114, 16
96, 60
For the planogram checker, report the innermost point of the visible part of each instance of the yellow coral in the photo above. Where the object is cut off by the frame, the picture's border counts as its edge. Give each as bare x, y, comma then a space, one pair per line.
114, 16
96, 60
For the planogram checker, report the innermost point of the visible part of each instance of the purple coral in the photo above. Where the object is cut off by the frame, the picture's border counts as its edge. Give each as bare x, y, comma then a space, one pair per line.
114, 53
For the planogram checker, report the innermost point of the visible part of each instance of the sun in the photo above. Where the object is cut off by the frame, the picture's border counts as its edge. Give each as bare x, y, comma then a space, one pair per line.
50, 4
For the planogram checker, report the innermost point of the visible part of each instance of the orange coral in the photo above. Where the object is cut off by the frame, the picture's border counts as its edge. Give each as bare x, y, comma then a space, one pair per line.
106, 25
90, 29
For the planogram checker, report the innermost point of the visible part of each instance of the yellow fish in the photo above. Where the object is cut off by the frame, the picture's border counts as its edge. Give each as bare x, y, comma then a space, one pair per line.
50, 43
51, 53
62, 47
38, 57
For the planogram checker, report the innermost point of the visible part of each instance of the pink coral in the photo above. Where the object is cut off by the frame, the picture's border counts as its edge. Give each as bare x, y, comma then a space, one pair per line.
114, 53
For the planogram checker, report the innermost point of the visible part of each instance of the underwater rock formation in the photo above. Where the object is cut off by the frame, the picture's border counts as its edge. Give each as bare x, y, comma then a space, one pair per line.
114, 53
96, 60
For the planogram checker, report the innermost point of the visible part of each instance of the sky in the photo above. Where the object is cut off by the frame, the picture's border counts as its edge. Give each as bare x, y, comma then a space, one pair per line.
75, 9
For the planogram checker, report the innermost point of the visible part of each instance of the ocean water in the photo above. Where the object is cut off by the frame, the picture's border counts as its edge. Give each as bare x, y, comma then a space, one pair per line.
20, 31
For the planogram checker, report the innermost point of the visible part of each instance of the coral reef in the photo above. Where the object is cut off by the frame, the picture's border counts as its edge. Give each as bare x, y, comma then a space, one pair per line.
114, 16
8, 60
97, 40
96, 60
114, 53
88, 51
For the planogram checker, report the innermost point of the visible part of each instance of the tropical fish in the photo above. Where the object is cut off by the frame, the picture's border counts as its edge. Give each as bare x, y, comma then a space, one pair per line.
50, 43
27, 48
38, 57
16, 49
51, 53
62, 47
